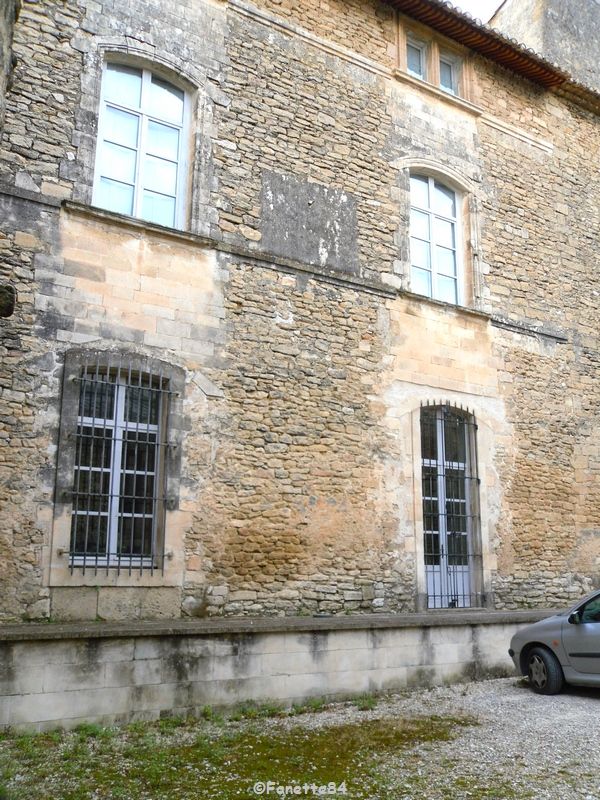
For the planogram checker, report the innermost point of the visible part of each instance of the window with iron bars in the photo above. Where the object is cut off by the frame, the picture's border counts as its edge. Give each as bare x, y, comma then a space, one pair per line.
119, 467
450, 490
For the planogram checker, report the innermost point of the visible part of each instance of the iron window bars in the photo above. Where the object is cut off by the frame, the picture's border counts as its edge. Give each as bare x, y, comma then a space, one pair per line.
119, 498
450, 486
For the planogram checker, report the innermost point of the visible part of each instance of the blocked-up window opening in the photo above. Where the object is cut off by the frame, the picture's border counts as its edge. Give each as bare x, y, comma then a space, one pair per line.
451, 523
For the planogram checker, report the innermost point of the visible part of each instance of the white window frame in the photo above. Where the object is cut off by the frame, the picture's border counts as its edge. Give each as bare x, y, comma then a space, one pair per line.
454, 65
458, 238
422, 48
458, 585
118, 427
142, 113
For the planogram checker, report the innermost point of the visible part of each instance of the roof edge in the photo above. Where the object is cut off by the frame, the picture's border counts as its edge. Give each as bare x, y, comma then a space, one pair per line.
460, 26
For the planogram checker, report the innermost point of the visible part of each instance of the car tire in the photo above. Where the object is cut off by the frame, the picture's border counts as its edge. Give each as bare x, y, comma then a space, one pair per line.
544, 671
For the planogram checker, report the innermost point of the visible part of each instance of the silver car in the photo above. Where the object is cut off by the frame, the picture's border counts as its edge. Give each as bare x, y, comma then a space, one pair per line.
563, 648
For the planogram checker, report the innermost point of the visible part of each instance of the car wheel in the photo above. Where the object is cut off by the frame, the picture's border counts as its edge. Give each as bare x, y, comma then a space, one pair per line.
545, 673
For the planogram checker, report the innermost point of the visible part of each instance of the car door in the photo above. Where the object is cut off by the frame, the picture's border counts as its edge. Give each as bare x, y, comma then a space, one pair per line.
581, 637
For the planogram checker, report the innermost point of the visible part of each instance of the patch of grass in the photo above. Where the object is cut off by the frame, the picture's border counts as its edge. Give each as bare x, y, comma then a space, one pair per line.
91, 731
191, 761
168, 724
366, 702
315, 704
255, 711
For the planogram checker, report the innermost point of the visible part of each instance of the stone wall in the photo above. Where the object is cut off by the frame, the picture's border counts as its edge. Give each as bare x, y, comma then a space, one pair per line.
284, 303
566, 32
80, 674
8, 16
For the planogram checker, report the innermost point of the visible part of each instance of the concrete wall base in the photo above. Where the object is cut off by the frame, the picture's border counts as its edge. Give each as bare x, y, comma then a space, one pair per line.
62, 675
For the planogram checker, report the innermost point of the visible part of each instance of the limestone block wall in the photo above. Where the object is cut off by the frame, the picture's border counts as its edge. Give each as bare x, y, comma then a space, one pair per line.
284, 303
142, 673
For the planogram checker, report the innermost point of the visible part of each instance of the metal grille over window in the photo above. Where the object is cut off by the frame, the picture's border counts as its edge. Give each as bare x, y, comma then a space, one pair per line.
119, 488
450, 507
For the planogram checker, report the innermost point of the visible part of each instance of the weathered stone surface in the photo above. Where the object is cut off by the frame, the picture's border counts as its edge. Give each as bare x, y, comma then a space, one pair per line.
566, 32
305, 361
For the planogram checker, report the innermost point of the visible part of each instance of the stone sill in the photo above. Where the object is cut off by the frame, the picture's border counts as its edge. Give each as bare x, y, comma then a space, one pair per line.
435, 91
244, 625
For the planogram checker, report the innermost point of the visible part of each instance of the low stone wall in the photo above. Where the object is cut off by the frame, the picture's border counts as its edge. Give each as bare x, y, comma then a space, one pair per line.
62, 675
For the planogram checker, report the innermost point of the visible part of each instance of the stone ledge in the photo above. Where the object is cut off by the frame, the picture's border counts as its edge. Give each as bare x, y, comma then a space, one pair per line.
241, 625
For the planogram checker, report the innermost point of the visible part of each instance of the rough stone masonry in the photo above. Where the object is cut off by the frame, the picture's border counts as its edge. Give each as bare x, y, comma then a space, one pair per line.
284, 303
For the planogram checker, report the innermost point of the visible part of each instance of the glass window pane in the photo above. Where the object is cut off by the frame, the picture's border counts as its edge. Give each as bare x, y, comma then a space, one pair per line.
114, 196
121, 127
92, 488
447, 289
419, 191
160, 175
94, 447
420, 281
444, 200
135, 536
455, 443
455, 480
88, 534
458, 553
158, 208
165, 101
431, 543
118, 162
138, 455
141, 406
430, 478
414, 59
443, 232
123, 85
429, 441
419, 224
445, 261
447, 76
136, 485
420, 253
430, 515
162, 141
96, 399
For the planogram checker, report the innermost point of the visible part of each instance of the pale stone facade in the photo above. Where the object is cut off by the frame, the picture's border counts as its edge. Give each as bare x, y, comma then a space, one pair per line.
567, 32
284, 303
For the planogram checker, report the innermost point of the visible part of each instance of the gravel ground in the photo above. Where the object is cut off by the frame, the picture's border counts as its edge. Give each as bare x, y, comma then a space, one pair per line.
525, 745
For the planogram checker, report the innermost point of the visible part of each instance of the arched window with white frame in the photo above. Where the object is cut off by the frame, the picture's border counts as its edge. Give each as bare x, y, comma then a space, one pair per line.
436, 255
141, 154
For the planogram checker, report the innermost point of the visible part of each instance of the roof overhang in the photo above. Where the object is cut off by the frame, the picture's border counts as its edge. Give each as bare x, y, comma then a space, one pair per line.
462, 28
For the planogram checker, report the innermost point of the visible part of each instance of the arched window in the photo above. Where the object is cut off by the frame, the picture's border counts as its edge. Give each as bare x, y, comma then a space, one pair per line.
140, 167
435, 241
450, 491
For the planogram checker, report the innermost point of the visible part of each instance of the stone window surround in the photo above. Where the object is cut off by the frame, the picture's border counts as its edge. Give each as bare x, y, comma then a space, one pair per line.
60, 572
485, 447
188, 77
433, 217
142, 114
434, 48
